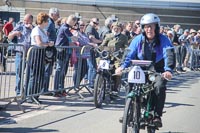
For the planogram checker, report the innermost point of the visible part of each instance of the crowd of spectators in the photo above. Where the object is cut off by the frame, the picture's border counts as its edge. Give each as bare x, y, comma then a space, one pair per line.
52, 30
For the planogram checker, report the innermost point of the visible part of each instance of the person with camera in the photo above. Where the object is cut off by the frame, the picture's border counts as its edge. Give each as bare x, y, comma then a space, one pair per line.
64, 38
151, 45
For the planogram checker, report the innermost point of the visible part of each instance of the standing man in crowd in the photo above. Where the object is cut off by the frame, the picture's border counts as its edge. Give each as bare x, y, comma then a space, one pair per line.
184, 42
63, 55
128, 31
197, 45
51, 32
178, 48
170, 35
136, 29
181, 51
193, 47
53, 17
106, 29
22, 32
94, 37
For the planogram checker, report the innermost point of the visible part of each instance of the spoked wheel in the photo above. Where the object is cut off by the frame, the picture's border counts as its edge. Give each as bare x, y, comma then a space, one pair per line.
130, 122
99, 90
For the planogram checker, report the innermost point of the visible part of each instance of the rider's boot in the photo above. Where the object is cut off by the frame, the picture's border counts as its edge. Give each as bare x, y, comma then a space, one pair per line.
157, 121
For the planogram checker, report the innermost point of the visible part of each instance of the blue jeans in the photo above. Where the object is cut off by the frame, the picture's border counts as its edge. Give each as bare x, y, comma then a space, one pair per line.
47, 75
62, 64
194, 63
180, 55
80, 71
18, 72
35, 84
91, 70
36, 68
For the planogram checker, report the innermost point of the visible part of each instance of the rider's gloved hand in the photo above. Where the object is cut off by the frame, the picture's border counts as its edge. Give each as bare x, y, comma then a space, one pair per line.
118, 71
167, 75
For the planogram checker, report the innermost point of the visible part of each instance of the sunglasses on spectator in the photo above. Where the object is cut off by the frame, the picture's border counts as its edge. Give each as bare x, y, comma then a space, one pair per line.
58, 15
82, 25
96, 23
138, 23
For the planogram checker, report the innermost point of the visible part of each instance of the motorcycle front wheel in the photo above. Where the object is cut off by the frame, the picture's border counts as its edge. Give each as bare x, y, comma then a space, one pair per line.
130, 122
99, 90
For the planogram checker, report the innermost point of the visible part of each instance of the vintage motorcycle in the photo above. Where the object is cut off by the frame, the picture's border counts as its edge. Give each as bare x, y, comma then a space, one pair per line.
104, 81
139, 113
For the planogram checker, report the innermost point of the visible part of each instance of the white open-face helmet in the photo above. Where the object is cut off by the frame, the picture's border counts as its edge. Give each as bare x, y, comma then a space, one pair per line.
150, 18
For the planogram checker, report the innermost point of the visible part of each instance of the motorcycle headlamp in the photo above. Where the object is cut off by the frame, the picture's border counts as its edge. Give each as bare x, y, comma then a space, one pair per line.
152, 77
104, 54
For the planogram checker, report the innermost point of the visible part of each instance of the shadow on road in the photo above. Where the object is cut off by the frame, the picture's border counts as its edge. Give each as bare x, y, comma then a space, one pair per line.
170, 104
173, 132
26, 130
184, 80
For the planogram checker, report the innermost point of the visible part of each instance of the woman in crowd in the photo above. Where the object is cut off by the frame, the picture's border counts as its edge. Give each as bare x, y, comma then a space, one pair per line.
39, 41
83, 40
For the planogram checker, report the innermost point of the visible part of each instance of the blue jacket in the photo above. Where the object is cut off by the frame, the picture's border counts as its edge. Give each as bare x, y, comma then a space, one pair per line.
63, 37
161, 62
51, 30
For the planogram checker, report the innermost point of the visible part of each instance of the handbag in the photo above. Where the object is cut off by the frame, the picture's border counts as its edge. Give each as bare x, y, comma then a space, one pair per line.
73, 58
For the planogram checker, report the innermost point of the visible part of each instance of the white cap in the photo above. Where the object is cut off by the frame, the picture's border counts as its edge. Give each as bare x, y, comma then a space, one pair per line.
170, 32
53, 11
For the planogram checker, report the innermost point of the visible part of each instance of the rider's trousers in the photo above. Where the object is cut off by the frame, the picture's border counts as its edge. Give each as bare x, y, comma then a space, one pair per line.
159, 95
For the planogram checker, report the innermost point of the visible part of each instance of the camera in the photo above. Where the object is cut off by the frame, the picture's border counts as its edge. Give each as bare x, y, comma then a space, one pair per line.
114, 18
78, 19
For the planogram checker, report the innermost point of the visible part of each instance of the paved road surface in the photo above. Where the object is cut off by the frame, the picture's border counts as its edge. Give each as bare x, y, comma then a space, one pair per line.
73, 115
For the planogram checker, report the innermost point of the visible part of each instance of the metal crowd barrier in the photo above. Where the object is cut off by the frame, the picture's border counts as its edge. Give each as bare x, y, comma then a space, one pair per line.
62, 77
34, 73
195, 56
7, 73
73, 81
82, 69
51, 77
41, 74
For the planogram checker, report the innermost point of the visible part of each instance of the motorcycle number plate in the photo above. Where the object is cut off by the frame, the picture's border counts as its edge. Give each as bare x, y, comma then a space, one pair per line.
104, 64
136, 75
